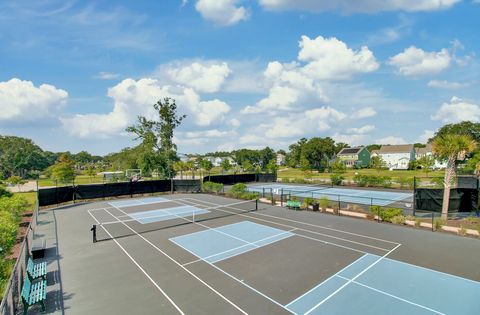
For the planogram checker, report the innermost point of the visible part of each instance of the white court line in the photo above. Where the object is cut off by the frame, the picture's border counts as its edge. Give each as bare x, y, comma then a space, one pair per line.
314, 225
235, 248
239, 281
324, 281
300, 229
393, 296
330, 243
141, 269
167, 214
350, 281
98, 209
184, 268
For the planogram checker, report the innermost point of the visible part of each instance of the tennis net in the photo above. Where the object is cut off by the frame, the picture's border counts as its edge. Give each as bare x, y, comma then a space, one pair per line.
184, 212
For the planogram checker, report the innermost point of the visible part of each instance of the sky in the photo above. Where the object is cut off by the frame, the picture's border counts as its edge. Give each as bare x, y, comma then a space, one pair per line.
247, 73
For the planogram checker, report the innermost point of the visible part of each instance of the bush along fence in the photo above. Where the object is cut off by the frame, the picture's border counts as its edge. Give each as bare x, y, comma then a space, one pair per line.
63, 194
11, 302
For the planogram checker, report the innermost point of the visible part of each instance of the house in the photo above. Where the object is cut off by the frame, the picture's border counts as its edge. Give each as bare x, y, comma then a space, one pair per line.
427, 151
373, 153
280, 159
354, 157
397, 157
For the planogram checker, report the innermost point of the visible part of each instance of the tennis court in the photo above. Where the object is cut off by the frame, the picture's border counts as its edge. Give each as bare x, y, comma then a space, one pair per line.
204, 254
350, 195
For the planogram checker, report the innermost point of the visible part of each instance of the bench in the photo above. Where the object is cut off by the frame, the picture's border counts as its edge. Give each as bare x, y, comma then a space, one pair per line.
33, 293
36, 270
38, 248
293, 205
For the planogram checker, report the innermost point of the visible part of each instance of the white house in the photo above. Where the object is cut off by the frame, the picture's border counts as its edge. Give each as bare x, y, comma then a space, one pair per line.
397, 157
280, 159
427, 151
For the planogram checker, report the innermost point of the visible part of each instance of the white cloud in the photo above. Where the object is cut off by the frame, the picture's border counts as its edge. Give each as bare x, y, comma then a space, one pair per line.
457, 110
202, 76
358, 6
299, 124
209, 112
295, 84
364, 113
22, 101
133, 98
427, 134
222, 12
414, 61
362, 130
331, 59
447, 85
391, 140
106, 75
352, 139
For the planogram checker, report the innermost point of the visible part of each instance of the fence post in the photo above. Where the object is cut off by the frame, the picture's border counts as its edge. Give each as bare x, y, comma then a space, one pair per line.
414, 194
263, 192
433, 215
338, 204
73, 188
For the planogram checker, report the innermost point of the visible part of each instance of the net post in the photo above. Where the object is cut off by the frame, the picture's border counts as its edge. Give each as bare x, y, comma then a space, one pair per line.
94, 232
281, 198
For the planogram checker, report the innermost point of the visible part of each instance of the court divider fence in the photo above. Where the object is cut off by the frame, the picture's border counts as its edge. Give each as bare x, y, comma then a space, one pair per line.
64, 194
232, 179
11, 302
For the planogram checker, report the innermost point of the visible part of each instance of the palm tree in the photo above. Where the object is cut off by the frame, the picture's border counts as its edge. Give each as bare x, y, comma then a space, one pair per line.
451, 147
179, 167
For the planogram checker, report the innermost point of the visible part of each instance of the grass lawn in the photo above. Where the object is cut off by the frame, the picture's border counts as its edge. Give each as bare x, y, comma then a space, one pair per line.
30, 196
80, 179
295, 173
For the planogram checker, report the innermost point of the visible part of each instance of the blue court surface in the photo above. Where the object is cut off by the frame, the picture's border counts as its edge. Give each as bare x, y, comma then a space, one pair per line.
216, 244
137, 202
376, 285
350, 195
151, 216
370, 284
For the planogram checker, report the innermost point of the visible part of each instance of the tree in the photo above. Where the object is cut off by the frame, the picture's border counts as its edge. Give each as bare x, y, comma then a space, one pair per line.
248, 166
226, 165
20, 156
159, 151
63, 170
293, 158
451, 147
426, 163
179, 166
338, 166
90, 171
339, 146
207, 165
190, 166
318, 151
272, 166
463, 128
377, 163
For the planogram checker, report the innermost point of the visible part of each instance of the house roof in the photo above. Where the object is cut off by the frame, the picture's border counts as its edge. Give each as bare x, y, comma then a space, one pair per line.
399, 148
350, 150
423, 151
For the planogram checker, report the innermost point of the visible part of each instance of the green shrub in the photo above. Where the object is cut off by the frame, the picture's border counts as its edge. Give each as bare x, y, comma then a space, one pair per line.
386, 214
238, 189
336, 179
405, 182
462, 231
410, 218
370, 216
294, 198
438, 223
212, 187
360, 180
249, 195
307, 202
418, 222
399, 219
323, 202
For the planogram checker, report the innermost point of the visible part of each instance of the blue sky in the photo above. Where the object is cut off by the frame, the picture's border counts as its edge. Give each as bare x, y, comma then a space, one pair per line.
251, 73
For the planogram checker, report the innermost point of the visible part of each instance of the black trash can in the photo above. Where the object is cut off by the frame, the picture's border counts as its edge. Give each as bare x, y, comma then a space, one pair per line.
315, 206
